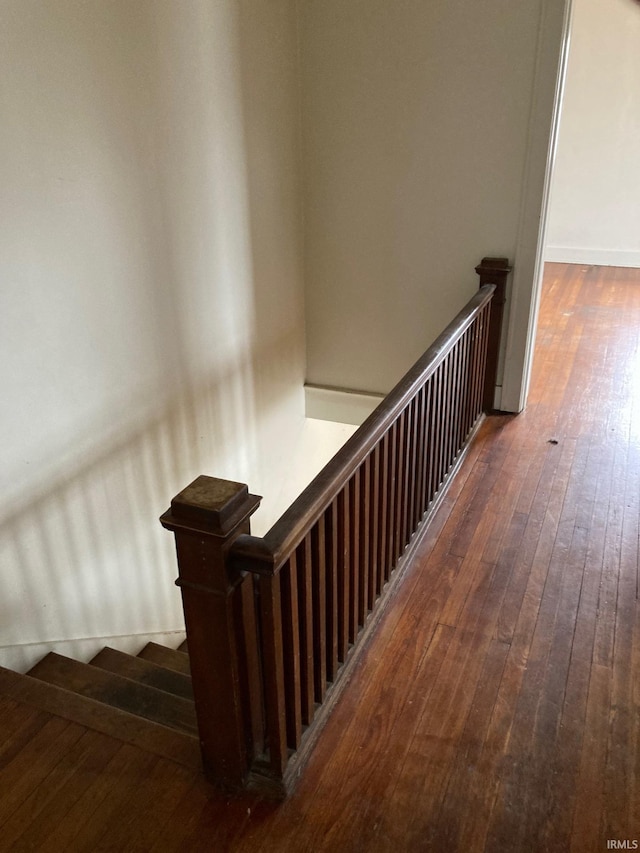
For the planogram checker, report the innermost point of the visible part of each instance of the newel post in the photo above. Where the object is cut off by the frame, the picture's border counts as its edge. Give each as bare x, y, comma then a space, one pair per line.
219, 614
493, 271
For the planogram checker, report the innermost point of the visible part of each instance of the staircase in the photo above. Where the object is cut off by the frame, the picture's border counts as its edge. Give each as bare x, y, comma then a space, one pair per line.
144, 700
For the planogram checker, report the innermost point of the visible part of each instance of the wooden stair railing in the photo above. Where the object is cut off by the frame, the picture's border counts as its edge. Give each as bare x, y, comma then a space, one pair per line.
275, 623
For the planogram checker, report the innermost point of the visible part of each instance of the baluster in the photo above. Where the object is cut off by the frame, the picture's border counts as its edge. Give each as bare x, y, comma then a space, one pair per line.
363, 569
484, 392
354, 539
383, 520
408, 449
411, 469
305, 605
442, 408
344, 573
273, 664
423, 498
460, 395
451, 376
432, 432
374, 528
391, 500
291, 641
468, 385
401, 437
478, 379
331, 539
319, 593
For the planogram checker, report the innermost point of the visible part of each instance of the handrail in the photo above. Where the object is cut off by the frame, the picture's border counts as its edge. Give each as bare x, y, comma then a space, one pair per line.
267, 554
275, 624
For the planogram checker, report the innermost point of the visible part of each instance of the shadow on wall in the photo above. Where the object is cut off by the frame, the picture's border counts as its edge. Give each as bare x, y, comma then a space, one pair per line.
87, 557
156, 231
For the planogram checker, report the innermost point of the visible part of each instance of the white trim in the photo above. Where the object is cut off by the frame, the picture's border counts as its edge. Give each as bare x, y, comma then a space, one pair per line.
339, 405
553, 45
21, 658
592, 257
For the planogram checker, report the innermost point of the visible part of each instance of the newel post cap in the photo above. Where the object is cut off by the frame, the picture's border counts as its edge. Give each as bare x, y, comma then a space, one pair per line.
210, 505
493, 266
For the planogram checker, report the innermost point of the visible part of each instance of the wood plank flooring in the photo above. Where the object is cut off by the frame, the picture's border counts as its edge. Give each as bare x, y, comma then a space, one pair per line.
498, 705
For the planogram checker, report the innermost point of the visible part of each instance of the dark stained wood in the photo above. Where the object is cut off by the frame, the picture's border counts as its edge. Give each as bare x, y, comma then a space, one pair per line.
493, 271
383, 515
344, 574
117, 691
401, 473
354, 556
373, 500
333, 599
181, 747
513, 729
273, 663
291, 651
216, 556
171, 659
364, 514
319, 595
144, 671
391, 499
305, 611
219, 614
267, 554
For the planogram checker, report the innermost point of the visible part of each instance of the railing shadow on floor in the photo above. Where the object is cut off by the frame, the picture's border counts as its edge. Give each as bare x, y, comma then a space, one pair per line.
276, 623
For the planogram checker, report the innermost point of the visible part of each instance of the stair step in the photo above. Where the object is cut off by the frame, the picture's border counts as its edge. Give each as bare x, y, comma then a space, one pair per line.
144, 671
111, 689
181, 747
169, 658
183, 647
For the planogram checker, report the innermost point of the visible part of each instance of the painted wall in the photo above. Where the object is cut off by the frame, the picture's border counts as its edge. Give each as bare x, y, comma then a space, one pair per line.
594, 215
151, 305
415, 127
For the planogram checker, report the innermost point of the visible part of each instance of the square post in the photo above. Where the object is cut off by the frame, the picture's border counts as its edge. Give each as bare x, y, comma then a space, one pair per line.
220, 620
493, 271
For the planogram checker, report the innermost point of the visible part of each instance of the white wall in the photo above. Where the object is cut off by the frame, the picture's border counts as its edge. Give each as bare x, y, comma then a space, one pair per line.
151, 306
416, 124
594, 214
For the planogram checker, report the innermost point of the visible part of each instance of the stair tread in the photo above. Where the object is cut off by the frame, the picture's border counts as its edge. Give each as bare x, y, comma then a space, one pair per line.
181, 747
169, 658
116, 690
144, 671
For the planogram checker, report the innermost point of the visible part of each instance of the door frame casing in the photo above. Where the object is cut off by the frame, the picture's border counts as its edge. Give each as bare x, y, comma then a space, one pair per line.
544, 120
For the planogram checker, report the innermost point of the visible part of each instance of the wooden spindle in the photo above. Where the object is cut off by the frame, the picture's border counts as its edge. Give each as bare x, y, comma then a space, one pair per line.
363, 567
354, 556
344, 574
319, 593
391, 500
274, 680
331, 540
291, 649
305, 609
383, 515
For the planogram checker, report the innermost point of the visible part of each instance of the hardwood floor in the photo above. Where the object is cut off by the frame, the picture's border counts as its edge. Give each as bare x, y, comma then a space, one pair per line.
498, 706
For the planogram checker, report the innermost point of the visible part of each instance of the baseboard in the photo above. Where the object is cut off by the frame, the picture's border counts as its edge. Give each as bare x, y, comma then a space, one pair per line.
339, 405
21, 658
591, 257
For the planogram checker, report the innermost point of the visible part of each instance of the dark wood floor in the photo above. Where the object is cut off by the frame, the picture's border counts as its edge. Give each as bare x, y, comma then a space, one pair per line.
497, 708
